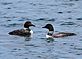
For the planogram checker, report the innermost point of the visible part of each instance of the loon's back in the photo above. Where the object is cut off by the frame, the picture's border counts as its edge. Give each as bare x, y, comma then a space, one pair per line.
21, 32
63, 34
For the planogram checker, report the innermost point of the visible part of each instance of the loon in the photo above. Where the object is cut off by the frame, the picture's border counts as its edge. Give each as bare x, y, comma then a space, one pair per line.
23, 32
51, 34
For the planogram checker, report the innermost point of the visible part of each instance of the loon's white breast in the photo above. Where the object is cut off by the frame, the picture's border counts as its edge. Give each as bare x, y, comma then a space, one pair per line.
48, 36
31, 32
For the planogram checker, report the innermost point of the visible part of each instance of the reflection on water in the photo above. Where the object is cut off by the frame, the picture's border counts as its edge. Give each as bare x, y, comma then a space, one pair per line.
28, 38
50, 40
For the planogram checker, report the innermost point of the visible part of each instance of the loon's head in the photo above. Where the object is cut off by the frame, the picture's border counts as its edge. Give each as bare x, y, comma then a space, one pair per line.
49, 27
51, 30
28, 24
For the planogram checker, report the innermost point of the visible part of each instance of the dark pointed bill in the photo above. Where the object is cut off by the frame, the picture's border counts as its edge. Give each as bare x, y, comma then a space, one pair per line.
32, 25
43, 27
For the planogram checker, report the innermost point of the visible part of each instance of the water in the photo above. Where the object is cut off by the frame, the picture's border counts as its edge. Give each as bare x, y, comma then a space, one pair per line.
65, 15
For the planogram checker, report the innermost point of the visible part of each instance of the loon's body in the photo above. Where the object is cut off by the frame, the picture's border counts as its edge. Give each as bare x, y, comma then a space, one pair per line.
51, 34
23, 32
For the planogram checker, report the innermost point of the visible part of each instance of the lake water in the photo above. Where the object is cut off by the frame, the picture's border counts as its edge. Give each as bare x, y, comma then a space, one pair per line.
65, 15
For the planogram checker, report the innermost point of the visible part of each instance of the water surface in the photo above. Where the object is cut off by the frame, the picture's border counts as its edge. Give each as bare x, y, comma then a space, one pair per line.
65, 15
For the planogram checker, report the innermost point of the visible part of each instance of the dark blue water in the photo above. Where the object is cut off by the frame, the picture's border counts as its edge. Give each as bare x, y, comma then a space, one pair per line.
65, 15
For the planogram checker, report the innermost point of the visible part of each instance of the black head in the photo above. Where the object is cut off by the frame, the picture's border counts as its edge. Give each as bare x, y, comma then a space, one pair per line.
49, 27
28, 24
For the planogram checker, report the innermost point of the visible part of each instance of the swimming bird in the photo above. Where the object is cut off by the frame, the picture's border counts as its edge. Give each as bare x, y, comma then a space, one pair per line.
51, 34
23, 32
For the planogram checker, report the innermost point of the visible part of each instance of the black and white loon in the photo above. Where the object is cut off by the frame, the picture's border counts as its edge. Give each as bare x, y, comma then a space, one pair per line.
51, 34
23, 32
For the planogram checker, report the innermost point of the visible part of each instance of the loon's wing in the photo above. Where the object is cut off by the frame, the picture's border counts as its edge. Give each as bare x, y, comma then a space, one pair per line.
63, 34
67, 33
21, 32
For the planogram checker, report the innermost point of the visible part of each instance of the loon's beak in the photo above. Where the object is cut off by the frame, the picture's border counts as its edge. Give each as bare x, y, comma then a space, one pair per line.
43, 27
32, 25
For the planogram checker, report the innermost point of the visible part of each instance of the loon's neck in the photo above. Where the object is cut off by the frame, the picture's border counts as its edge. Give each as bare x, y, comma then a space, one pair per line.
49, 34
28, 29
